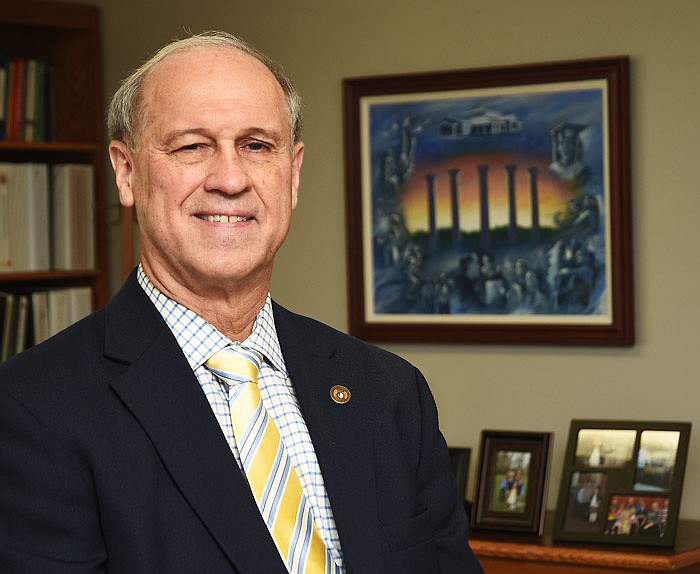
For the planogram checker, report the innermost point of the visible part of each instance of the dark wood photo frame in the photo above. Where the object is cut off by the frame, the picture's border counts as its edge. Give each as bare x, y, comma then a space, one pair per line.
491, 205
622, 482
511, 489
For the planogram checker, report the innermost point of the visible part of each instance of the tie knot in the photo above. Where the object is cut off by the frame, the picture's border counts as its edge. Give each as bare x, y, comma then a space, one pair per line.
236, 364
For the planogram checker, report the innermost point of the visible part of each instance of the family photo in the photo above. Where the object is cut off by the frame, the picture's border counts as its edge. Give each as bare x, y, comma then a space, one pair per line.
643, 515
586, 502
510, 481
656, 460
605, 447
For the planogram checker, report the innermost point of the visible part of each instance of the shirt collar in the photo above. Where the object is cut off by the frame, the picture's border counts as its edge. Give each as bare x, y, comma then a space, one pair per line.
199, 339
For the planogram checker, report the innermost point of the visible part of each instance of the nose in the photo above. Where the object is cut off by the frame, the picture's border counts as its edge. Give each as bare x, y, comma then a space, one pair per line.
227, 172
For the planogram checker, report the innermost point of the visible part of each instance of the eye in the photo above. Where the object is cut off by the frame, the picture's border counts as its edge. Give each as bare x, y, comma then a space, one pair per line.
191, 151
190, 147
257, 146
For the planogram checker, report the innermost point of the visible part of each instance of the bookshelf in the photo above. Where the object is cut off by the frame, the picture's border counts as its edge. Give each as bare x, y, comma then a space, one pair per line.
67, 38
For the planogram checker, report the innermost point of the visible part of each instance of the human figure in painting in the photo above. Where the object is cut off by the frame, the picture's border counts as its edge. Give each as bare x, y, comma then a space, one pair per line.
568, 152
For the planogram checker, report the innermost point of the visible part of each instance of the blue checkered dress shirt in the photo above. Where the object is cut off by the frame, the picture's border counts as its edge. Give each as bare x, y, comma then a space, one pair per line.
199, 340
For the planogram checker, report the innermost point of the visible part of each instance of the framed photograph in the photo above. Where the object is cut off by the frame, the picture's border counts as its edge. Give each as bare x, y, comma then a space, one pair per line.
459, 459
491, 205
622, 482
511, 488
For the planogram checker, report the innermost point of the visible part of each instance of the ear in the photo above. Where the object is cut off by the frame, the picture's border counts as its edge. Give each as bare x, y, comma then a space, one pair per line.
297, 160
123, 165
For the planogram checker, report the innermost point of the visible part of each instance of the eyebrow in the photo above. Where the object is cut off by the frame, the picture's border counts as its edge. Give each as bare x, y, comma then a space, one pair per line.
175, 134
272, 134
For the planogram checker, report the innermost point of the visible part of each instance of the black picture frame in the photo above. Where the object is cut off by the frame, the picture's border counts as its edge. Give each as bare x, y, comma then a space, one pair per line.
460, 458
511, 488
410, 285
622, 482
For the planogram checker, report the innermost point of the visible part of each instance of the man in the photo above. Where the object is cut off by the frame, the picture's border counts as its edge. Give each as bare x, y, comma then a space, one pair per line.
119, 446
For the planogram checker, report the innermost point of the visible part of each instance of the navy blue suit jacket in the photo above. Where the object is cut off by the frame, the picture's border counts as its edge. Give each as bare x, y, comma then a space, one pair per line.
111, 459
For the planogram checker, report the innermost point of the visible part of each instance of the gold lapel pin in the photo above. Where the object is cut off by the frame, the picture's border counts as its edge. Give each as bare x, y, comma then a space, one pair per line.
340, 394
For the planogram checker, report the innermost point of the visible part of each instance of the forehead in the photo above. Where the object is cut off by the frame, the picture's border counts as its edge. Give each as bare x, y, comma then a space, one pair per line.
206, 77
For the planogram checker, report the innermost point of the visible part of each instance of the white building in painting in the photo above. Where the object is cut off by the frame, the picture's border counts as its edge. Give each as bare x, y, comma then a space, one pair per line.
479, 122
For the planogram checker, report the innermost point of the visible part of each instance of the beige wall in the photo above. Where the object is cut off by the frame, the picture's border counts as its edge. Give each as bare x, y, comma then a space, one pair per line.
479, 387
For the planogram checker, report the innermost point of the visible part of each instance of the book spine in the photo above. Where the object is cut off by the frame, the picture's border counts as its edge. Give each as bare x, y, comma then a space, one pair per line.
41, 102
59, 310
5, 247
40, 316
74, 217
4, 84
37, 217
61, 219
80, 303
11, 92
8, 303
17, 97
29, 123
22, 323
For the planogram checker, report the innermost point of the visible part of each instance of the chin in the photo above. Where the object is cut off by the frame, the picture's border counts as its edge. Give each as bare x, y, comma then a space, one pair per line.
230, 271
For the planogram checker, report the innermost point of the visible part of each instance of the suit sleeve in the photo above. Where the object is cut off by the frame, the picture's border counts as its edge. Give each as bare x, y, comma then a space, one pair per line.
47, 504
438, 489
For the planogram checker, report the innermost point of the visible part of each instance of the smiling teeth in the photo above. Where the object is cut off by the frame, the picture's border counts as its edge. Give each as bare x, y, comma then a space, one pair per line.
224, 218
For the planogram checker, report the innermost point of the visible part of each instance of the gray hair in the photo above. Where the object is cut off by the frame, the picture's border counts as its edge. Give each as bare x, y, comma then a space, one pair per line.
125, 109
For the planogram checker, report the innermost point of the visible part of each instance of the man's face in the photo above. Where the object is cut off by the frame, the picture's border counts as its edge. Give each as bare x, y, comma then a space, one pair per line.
567, 146
214, 176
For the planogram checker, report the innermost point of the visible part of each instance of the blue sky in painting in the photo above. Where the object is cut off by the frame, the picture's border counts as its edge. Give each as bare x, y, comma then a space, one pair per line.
538, 112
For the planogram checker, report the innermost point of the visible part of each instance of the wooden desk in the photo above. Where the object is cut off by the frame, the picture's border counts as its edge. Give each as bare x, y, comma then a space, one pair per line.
502, 553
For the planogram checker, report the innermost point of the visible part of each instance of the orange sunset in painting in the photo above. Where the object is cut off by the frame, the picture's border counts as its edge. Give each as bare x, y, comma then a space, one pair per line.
553, 194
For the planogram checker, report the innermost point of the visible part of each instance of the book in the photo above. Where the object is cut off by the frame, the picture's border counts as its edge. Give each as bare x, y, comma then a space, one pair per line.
29, 226
48, 109
18, 87
40, 316
58, 310
5, 213
8, 313
4, 83
66, 306
30, 100
80, 302
42, 102
22, 323
9, 98
73, 217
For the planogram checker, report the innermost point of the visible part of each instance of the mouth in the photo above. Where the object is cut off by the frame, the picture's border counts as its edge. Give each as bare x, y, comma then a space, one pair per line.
224, 218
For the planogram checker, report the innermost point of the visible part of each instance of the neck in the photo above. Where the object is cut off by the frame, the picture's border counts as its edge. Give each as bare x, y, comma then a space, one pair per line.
231, 306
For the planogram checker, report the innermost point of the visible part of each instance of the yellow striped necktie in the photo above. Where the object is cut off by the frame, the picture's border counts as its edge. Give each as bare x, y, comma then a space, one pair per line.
272, 478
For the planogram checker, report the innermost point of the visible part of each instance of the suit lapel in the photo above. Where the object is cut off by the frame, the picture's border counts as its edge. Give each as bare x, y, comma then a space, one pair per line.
161, 392
341, 436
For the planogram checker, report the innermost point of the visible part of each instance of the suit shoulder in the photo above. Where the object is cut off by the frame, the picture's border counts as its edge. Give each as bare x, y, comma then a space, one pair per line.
319, 334
72, 350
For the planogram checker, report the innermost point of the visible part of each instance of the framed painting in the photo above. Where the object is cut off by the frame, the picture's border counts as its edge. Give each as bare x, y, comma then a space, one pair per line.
622, 482
511, 489
491, 205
